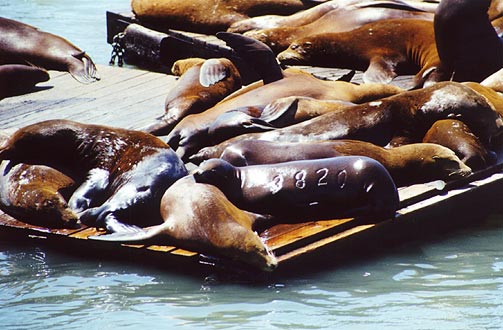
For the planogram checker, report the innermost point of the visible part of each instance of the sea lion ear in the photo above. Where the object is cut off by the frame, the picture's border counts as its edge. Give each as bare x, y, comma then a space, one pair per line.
212, 71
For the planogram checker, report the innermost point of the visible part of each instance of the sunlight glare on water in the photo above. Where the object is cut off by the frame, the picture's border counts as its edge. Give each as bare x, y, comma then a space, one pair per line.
449, 282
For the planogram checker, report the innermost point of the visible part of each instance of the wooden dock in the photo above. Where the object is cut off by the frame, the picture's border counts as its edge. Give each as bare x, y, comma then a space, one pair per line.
131, 98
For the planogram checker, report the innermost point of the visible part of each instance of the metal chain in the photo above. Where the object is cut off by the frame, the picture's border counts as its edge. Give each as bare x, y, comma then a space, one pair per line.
117, 50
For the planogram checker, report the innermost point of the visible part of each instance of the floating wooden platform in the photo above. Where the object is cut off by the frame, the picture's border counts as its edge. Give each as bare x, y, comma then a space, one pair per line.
131, 98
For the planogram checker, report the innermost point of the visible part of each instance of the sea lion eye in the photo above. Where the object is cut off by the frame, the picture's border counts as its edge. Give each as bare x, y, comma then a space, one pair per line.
307, 45
294, 46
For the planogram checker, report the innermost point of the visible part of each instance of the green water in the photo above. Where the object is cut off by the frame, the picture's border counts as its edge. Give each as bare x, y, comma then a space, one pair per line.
447, 282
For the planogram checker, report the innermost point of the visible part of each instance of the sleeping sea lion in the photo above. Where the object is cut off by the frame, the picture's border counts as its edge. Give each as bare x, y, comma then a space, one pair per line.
124, 172
343, 18
407, 164
25, 44
37, 194
383, 50
204, 221
399, 119
457, 136
199, 88
208, 16
17, 79
468, 46
338, 187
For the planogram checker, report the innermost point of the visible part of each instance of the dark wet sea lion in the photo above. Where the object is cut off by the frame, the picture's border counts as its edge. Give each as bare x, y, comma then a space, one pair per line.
405, 116
25, 44
383, 50
306, 190
468, 45
408, 164
456, 135
199, 88
199, 217
17, 79
208, 16
342, 19
37, 194
124, 172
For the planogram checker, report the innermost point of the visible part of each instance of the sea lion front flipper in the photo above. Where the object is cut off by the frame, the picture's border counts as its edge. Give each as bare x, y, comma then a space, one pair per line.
83, 69
260, 57
211, 72
380, 70
275, 110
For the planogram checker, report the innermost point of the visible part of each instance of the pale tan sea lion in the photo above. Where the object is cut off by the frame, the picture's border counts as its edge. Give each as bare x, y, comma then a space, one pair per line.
204, 221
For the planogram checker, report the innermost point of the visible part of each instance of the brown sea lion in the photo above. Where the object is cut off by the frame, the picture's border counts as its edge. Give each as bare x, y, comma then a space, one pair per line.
310, 15
342, 19
407, 164
399, 119
199, 88
303, 190
204, 221
207, 16
17, 79
468, 46
281, 112
37, 194
457, 136
383, 50
25, 44
124, 172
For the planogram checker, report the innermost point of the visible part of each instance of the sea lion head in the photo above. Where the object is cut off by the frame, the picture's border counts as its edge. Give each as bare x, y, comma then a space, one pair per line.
214, 171
299, 52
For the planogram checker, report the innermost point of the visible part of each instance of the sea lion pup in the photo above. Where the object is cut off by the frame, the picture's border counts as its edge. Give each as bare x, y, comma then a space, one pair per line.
399, 119
23, 44
468, 46
338, 187
124, 172
456, 135
191, 133
407, 164
17, 79
37, 194
208, 16
384, 50
204, 221
199, 88
342, 19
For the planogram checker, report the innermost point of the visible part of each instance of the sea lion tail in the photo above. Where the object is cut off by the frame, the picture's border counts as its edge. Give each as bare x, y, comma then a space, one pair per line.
85, 71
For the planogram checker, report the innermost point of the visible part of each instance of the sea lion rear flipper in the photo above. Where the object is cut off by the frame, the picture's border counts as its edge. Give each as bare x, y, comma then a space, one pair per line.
84, 70
260, 57
379, 71
212, 71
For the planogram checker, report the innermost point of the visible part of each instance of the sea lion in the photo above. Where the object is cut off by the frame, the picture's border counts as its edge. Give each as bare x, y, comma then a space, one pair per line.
310, 15
204, 221
399, 119
124, 172
351, 186
37, 194
199, 88
208, 16
468, 45
457, 136
407, 164
279, 113
384, 50
25, 44
17, 79
344, 18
